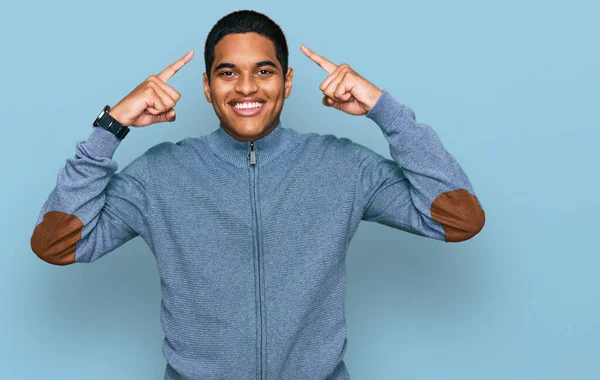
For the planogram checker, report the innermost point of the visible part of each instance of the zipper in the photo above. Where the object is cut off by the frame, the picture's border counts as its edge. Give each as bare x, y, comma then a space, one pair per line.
252, 154
260, 332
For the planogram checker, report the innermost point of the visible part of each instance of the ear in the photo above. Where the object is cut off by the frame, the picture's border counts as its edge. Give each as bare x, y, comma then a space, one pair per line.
206, 88
288, 82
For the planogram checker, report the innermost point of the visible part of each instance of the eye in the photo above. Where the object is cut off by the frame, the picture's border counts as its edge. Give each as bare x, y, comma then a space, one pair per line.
226, 73
265, 72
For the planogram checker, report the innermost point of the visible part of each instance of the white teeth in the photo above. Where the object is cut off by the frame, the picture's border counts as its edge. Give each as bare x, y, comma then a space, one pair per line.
248, 105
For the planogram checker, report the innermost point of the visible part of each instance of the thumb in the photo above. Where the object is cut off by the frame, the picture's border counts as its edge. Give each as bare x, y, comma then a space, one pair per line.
161, 118
168, 116
328, 102
171, 115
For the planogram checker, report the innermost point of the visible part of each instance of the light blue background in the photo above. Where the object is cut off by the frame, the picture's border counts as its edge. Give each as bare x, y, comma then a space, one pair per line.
510, 87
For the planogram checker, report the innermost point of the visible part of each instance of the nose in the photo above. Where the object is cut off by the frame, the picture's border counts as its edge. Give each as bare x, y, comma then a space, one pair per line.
246, 84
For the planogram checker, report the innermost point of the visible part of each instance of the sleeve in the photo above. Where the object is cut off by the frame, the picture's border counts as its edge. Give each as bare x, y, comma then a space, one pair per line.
423, 190
92, 210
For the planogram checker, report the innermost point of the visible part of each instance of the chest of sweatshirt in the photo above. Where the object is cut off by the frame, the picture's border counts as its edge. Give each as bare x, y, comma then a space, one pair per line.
216, 219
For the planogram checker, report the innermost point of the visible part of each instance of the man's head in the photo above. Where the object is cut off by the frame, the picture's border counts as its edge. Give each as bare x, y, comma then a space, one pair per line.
247, 78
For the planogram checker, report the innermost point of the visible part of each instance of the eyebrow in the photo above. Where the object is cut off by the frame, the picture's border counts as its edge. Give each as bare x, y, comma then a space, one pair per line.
232, 66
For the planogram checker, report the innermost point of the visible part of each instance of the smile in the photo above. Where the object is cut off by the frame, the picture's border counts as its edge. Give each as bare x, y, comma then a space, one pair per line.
247, 109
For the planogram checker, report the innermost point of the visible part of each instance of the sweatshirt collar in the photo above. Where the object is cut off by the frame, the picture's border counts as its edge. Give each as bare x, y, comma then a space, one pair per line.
237, 153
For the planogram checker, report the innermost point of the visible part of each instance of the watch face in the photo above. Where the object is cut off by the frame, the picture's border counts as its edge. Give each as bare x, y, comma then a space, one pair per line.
100, 116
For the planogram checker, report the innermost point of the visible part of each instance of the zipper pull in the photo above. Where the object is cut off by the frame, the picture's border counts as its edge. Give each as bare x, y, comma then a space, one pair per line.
252, 153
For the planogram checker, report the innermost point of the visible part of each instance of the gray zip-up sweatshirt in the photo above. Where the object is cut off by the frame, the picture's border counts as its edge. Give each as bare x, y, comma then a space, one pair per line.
250, 238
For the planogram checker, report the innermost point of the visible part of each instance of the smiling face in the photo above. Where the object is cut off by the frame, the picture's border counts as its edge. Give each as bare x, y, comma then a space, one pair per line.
247, 89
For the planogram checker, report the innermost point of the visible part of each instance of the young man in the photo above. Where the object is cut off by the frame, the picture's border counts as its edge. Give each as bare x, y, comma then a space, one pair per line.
250, 224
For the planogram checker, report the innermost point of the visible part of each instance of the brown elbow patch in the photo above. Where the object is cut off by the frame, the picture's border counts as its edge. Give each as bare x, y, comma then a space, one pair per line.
54, 239
459, 214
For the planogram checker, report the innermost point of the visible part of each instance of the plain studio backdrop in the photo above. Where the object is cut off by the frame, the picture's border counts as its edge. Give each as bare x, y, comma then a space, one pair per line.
510, 87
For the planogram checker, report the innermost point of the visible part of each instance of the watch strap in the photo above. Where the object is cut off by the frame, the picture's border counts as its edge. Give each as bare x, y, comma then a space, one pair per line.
106, 121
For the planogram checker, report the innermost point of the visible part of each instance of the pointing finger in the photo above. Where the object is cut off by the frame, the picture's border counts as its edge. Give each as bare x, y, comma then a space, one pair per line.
167, 73
321, 61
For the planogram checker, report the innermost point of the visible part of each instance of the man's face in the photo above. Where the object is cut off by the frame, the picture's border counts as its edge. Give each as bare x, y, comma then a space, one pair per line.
247, 89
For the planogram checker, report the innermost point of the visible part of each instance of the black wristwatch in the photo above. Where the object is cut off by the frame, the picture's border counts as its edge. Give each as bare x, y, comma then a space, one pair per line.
111, 124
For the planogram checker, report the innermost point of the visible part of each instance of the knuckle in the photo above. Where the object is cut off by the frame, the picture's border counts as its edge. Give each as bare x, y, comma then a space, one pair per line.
149, 91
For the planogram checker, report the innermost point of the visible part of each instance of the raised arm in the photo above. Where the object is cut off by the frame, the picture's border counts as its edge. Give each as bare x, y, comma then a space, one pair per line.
423, 190
91, 211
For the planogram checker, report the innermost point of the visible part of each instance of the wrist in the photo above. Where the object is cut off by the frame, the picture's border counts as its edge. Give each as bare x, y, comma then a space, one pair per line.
374, 98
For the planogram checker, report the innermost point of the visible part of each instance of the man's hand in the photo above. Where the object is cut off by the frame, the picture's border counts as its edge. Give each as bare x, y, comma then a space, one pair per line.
344, 88
153, 100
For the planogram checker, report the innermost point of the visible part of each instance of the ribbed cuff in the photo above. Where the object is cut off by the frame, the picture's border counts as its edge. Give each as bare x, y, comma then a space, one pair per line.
386, 110
102, 142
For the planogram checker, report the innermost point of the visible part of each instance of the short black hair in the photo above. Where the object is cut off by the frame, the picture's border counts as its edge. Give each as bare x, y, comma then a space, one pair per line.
246, 21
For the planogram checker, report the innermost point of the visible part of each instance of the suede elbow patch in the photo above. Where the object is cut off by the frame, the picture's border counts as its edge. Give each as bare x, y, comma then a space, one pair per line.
54, 239
459, 214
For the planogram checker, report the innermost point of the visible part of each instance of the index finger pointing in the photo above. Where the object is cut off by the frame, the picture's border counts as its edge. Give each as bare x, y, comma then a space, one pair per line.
167, 73
321, 61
